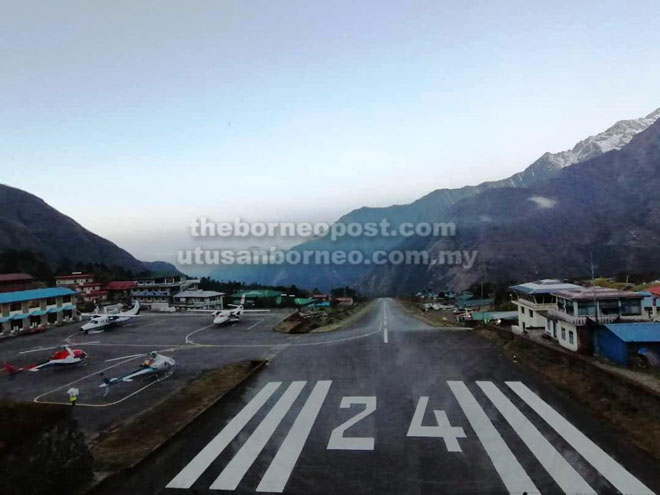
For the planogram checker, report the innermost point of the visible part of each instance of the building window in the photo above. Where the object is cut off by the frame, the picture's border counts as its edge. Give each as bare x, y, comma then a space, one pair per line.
34, 303
50, 301
15, 306
571, 337
531, 313
586, 308
629, 308
66, 299
563, 333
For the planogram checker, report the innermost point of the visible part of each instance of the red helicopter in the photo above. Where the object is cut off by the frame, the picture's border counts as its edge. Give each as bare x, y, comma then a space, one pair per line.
64, 357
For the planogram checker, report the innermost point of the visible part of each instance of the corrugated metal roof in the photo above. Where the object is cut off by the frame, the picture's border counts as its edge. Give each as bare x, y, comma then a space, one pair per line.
15, 277
199, 293
28, 295
255, 294
545, 286
635, 332
590, 293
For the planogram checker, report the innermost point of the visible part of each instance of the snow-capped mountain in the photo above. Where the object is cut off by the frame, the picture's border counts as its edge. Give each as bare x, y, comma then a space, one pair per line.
613, 138
434, 206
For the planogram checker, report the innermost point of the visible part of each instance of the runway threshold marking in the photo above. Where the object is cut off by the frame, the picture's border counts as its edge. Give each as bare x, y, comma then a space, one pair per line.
613, 472
233, 472
561, 471
281, 467
215, 447
512, 474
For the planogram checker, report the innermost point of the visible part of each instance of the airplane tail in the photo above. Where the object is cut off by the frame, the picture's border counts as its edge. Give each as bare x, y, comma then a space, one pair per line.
107, 381
11, 369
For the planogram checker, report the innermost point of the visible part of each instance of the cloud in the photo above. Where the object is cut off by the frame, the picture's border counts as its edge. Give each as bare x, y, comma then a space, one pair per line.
543, 202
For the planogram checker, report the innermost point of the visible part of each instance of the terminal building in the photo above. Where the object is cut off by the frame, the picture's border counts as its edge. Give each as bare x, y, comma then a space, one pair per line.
198, 299
157, 293
36, 309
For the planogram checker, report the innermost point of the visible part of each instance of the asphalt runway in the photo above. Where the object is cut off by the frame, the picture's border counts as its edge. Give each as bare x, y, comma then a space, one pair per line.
120, 350
389, 405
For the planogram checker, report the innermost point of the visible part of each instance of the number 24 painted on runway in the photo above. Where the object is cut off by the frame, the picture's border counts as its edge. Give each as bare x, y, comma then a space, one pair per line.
443, 429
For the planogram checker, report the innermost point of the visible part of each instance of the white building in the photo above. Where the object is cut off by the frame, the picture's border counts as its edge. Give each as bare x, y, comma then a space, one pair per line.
198, 299
534, 299
158, 293
570, 322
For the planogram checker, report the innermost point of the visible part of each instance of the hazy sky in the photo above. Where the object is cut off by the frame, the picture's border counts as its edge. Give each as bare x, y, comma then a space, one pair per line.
134, 116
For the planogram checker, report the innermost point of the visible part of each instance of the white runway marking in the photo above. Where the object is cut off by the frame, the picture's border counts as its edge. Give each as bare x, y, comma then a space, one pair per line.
124, 357
561, 471
594, 455
36, 399
513, 475
284, 461
214, 448
83, 404
37, 349
233, 473
187, 339
254, 325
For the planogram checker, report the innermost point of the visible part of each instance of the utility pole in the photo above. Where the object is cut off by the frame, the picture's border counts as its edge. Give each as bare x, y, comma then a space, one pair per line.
593, 284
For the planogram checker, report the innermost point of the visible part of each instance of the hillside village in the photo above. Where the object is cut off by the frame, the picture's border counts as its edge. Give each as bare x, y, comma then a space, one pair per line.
620, 326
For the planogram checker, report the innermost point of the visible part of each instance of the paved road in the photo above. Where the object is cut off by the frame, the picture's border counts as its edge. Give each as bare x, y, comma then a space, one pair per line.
390, 405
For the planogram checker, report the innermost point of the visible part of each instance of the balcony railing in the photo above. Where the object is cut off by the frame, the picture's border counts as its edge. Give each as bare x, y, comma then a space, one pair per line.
582, 320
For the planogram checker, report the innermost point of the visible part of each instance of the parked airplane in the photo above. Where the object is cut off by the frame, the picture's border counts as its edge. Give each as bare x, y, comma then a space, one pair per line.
221, 316
64, 357
154, 364
100, 321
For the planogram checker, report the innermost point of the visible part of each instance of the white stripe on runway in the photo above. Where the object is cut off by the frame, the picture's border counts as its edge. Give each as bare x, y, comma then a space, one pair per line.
561, 471
513, 475
233, 472
284, 461
611, 470
214, 448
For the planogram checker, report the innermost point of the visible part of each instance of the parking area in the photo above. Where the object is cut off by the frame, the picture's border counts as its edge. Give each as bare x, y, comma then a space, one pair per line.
191, 339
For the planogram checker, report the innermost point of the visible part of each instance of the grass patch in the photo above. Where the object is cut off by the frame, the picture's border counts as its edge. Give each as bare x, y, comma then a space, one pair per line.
323, 321
129, 442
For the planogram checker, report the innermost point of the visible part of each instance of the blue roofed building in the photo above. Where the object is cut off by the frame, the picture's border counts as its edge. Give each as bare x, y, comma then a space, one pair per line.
36, 309
617, 342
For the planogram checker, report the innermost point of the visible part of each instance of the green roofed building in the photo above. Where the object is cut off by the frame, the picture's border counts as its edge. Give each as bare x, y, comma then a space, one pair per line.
264, 296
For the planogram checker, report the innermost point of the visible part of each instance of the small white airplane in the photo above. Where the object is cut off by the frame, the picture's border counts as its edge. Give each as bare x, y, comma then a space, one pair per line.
154, 364
221, 316
100, 321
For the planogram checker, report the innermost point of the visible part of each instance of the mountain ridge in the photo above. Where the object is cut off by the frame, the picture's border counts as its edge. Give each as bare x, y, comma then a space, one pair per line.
432, 207
28, 223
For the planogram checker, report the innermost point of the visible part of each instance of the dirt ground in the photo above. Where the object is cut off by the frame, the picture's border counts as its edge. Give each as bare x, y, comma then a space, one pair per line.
625, 407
